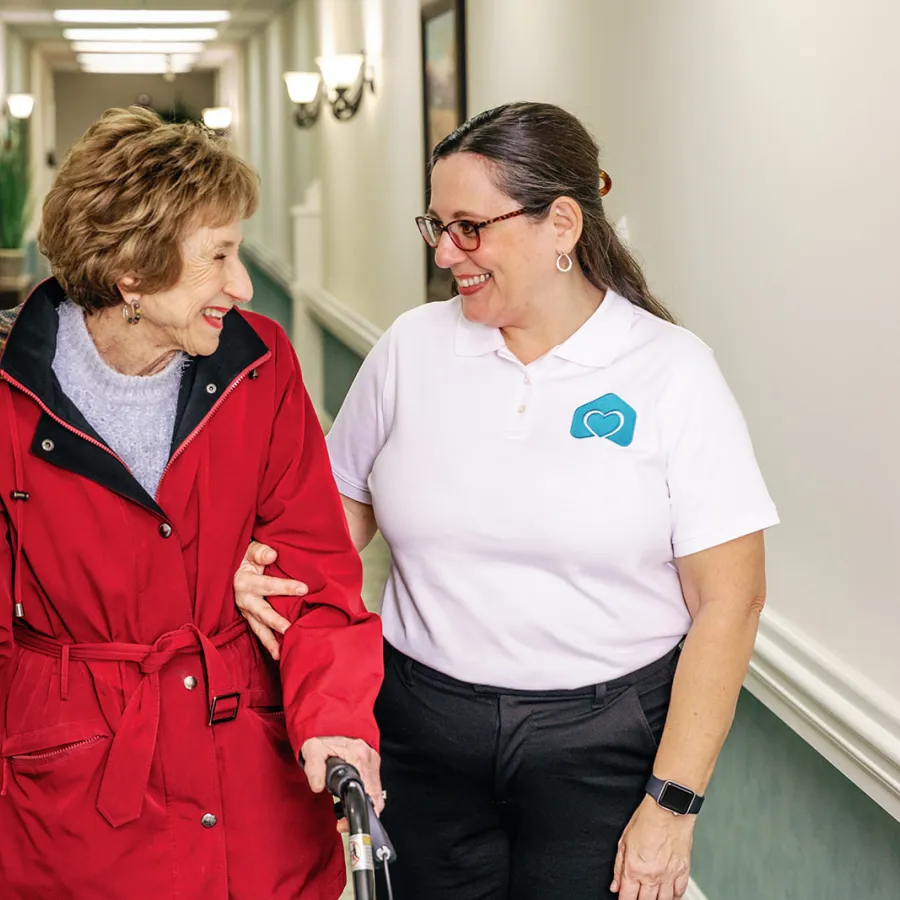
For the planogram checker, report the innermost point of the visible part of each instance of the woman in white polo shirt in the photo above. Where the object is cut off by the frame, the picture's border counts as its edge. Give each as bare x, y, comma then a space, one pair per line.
568, 489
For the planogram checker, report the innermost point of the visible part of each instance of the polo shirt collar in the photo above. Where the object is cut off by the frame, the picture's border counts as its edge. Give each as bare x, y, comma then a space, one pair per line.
597, 343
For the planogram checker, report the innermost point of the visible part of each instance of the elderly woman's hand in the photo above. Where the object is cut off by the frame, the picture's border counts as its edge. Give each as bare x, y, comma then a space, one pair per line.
252, 586
315, 753
654, 858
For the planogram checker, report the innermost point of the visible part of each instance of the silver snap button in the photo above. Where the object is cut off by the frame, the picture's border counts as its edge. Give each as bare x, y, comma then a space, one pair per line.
208, 820
211, 389
190, 682
47, 445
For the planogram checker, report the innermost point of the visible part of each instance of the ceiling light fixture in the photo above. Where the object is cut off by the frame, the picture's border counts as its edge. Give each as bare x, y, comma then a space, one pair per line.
142, 16
138, 47
140, 34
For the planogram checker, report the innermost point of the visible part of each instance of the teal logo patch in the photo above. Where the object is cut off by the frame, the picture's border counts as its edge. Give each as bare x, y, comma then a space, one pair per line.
608, 417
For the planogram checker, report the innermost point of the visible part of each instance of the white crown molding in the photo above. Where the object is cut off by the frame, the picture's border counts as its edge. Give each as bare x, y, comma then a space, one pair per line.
347, 325
851, 721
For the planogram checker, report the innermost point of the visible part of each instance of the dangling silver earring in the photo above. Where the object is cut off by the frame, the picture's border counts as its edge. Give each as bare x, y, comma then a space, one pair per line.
131, 312
563, 262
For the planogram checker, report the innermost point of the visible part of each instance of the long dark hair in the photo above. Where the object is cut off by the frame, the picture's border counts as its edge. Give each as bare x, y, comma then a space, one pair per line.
540, 153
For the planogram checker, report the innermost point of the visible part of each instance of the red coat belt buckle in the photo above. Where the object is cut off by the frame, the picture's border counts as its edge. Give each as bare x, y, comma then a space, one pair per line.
227, 715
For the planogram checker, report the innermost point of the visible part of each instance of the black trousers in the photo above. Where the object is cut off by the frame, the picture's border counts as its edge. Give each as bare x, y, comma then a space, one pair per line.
513, 795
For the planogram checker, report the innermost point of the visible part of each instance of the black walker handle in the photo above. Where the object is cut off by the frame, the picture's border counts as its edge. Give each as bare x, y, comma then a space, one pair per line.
369, 843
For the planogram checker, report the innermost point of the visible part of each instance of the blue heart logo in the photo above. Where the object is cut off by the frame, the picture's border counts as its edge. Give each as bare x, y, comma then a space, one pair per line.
608, 417
603, 424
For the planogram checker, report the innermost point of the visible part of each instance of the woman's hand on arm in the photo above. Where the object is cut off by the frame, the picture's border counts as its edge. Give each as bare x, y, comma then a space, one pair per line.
252, 585
724, 588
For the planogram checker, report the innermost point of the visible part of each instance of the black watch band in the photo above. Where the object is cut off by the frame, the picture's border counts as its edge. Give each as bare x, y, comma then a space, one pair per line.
676, 798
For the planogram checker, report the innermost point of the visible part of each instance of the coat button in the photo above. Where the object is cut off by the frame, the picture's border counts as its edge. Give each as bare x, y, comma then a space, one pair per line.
165, 530
211, 389
47, 445
208, 820
190, 682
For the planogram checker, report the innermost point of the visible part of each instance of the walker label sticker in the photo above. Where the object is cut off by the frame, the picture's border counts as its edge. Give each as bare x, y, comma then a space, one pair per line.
608, 417
360, 849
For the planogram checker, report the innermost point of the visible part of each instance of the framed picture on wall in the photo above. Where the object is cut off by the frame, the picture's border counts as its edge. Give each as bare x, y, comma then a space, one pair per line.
444, 88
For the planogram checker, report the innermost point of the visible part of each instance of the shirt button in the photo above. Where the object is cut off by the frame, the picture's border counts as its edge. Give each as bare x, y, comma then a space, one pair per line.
47, 445
208, 820
211, 389
190, 682
521, 409
165, 530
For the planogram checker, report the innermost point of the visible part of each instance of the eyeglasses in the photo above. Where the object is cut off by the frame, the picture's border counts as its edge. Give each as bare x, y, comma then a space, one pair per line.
465, 234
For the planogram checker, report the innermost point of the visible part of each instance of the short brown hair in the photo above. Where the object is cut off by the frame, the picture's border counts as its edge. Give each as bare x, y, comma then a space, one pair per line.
128, 192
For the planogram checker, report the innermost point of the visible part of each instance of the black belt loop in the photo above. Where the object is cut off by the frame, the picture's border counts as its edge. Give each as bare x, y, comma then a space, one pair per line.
599, 695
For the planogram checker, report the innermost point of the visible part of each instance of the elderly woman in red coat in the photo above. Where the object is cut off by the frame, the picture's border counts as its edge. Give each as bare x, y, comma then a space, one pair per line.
150, 429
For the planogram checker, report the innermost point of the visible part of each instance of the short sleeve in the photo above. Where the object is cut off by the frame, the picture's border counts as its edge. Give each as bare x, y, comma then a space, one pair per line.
363, 424
716, 489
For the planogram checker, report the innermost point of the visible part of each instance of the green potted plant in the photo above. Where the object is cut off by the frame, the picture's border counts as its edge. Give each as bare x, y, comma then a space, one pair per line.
13, 203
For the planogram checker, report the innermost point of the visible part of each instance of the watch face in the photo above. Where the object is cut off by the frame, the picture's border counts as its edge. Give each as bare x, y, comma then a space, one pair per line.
676, 798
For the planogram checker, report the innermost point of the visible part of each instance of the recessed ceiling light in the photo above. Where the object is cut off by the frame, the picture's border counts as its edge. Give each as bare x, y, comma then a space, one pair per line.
138, 47
140, 34
142, 16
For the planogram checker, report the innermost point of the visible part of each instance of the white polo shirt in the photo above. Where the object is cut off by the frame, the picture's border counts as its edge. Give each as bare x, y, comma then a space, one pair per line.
533, 512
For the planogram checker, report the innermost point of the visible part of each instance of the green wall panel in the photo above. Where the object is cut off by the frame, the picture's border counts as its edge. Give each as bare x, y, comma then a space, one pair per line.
269, 297
341, 365
782, 823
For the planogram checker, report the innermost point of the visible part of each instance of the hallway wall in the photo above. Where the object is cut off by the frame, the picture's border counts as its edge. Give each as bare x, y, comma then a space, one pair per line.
82, 97
752, 149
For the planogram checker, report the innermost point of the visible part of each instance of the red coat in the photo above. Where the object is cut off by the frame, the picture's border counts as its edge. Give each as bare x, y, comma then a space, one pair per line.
114, 782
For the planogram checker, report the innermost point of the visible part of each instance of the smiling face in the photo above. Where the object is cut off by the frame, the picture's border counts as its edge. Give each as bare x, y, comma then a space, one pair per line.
502, 281
188, 316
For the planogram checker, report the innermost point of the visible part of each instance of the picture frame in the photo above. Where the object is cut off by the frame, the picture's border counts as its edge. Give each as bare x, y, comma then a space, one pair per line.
444, 100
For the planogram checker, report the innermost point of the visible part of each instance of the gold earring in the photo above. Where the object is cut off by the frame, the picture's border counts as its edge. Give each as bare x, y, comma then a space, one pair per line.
131, 312
563, 262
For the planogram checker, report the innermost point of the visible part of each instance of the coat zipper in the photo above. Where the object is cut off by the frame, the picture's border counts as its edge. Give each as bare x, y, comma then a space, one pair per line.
70, 428
186, 442
181, 448
58, 751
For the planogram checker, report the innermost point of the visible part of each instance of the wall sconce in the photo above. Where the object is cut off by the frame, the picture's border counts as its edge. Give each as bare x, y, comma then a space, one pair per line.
217, 118
20, 105
304, 89
346, 76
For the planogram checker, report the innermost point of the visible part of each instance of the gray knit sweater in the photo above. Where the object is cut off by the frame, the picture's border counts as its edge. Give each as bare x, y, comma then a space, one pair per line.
134, 414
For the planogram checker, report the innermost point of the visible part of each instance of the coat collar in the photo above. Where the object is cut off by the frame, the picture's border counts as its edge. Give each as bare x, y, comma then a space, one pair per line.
27, 361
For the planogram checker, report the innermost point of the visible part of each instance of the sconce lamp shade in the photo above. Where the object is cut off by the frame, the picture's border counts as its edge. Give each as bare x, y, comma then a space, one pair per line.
218, 118
341, 71
20, 105
302, 87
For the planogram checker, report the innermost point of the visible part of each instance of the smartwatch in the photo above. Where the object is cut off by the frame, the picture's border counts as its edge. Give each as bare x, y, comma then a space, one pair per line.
676, 798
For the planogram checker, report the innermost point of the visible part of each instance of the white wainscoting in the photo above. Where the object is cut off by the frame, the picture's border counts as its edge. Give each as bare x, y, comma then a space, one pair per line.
850, 721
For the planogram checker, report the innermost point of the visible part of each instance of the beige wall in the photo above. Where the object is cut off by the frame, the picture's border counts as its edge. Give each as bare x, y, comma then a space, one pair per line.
82, 97
372, 166
753, 149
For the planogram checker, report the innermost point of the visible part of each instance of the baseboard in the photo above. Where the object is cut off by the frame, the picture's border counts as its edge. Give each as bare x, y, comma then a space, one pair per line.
693, 892
849, 720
